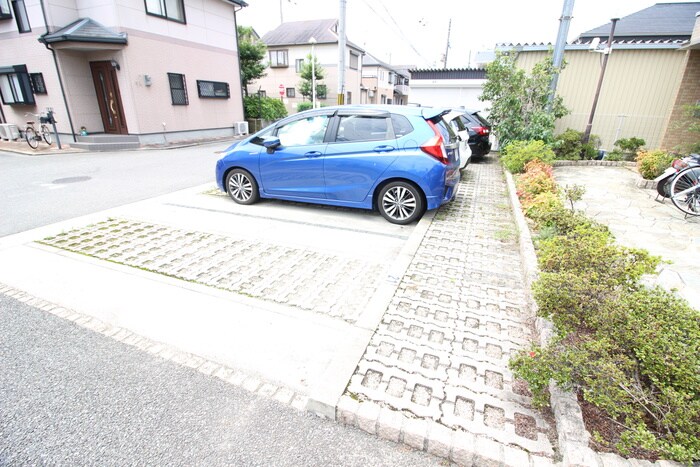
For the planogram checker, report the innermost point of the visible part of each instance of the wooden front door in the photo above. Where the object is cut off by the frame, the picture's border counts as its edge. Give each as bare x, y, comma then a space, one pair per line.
108, 97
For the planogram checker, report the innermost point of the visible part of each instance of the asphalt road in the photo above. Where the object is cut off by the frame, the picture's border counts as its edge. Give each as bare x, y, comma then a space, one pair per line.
43, 189
74, 397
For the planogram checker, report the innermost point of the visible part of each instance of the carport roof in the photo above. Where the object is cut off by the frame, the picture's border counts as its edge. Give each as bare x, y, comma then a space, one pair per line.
85, 30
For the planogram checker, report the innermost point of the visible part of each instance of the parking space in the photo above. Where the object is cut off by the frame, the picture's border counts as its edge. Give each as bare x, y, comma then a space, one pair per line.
289, 292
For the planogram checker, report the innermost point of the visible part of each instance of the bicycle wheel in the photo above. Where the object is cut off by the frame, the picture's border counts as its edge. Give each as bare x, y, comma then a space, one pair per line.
30, 136
46, 134
685, 191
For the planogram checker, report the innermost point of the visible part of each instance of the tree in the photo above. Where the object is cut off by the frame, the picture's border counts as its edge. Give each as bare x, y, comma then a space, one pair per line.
251, 52
520, 108
306, 78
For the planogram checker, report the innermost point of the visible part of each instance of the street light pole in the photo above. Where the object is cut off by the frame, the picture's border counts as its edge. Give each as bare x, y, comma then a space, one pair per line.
313, 73
606, 52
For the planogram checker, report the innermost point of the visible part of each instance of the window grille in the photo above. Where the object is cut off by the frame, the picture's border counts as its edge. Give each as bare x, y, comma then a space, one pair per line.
178, 89
213, 89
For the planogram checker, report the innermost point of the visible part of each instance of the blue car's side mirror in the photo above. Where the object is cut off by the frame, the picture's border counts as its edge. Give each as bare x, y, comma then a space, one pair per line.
271, 143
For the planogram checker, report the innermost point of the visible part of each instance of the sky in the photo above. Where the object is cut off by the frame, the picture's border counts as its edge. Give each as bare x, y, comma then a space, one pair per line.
412, 32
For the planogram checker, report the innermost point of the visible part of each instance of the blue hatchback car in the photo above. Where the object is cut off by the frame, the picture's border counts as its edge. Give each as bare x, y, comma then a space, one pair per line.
396, 159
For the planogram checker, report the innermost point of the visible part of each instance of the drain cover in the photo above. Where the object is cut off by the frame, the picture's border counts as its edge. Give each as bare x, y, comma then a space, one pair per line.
61, 181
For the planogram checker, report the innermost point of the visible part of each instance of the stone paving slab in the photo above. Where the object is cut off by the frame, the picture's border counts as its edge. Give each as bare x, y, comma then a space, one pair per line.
439, 358
639, 219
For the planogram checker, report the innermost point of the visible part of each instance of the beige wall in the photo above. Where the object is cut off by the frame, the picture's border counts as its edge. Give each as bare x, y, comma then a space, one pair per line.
376, 79
637, 96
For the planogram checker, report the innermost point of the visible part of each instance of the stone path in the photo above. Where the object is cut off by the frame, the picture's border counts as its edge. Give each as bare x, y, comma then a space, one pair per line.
638, 220
440, 354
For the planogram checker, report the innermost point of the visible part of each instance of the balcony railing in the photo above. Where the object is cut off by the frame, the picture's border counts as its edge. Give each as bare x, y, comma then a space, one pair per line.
401, 89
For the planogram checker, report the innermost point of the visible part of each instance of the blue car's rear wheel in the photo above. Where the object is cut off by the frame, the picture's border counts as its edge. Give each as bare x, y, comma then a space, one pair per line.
400, 203
242, 187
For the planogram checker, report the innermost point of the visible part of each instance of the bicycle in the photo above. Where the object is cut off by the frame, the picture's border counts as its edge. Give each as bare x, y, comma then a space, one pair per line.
685, 191
32, 136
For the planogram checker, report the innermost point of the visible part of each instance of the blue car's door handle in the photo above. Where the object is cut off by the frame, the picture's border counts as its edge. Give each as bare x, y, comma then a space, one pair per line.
313, 154
384, 148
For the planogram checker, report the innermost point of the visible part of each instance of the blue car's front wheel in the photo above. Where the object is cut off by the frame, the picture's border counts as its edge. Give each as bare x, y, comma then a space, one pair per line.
242, 187
400, 203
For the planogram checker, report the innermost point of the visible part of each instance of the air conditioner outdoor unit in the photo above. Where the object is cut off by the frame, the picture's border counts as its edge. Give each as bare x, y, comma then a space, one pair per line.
240, 128
9, 131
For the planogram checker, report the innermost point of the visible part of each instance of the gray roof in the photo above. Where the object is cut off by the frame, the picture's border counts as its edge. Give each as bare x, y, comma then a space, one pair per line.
448, 73
299, 33
663, 20
85, 30
371, 60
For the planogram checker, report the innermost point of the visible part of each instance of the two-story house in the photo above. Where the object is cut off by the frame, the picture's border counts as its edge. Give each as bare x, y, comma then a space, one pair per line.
382, 83
290, 44
142, 72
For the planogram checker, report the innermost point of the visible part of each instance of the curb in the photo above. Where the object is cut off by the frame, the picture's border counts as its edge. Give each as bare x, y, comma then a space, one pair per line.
595, 163
249, 382
571, 429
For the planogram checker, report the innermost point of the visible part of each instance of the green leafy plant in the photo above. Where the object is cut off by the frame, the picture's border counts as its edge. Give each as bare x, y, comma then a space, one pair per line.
267, 108
574, 193
251, 51
518, 153
520, 109
307, 73
630, 144
301, 106
614, 155
651, 164
569, 146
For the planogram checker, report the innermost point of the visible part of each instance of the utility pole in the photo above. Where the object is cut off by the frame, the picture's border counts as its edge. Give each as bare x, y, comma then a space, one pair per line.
563, 33
447, 48
341, 54
606, 55
281, 17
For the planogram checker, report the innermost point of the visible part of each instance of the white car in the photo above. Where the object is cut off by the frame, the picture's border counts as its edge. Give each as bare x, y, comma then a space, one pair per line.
456, 121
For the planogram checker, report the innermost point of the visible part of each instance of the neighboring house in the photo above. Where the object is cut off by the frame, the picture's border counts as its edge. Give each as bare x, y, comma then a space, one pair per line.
440, 87
290, 44
652, 72
382, 83
139, 71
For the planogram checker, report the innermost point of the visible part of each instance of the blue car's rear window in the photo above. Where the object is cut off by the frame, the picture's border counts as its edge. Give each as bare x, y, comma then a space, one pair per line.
401, 125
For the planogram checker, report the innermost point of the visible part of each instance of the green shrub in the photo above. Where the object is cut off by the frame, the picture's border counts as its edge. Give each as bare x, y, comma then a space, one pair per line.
651, 164
266, 108
301, 106
542, 208
518, 153
630, 144
614, 155
537, 179
638, 361
569, 146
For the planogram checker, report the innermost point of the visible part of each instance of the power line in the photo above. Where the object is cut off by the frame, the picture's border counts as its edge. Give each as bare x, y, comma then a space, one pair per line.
397, 27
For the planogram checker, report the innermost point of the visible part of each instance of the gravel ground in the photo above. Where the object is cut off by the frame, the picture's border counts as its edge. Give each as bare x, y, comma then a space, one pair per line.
73, 397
